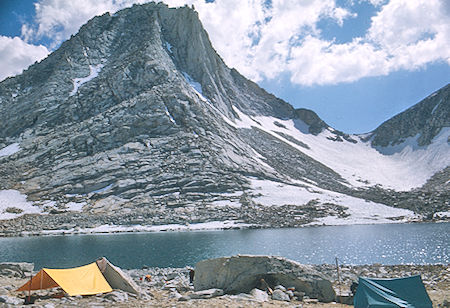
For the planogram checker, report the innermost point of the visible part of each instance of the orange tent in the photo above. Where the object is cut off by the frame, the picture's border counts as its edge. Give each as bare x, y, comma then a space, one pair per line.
83, 280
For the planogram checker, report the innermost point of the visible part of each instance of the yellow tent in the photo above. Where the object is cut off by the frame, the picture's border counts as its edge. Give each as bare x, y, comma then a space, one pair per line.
83, 280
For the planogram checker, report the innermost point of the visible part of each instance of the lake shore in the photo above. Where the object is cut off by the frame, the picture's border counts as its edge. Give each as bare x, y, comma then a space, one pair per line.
168, 284
7, 228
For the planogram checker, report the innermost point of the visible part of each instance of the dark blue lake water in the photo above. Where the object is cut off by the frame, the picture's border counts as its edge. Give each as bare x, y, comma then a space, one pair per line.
360, 244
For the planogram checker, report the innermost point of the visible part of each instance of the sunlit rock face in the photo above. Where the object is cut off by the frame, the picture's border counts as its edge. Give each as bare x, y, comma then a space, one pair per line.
137, 120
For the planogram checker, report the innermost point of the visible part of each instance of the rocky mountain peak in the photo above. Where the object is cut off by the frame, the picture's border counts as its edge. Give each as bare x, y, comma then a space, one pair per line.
424, 120
137, 120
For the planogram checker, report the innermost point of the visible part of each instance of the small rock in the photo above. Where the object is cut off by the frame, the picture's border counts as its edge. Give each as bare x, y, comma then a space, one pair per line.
205, 294
49, 305
3, 291
280, 296
280, 287
10, 300
310, 300
175, 295
299, 295
117, 296
259, 295
169, 286
171, 276
184, 298
16, 269
242, 296
290, 294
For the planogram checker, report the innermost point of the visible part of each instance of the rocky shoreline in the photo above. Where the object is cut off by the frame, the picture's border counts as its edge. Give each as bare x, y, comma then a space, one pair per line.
80, 223
171, 287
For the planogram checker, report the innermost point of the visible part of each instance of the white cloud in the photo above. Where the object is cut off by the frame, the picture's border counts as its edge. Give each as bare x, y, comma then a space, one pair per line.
57, 19
264, 39
412, 33
404, 34
377, 2
16, 55
321, 62
263, 36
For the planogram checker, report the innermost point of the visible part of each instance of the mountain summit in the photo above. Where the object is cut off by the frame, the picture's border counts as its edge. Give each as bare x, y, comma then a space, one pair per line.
136, 120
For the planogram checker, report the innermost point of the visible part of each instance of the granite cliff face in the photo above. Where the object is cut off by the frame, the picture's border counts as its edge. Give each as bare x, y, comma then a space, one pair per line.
137, 120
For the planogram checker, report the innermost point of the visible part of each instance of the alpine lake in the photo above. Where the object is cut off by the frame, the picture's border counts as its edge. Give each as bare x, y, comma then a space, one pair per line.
419, 243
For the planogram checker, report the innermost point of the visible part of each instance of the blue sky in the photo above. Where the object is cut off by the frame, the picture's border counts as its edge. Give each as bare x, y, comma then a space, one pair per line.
354, 62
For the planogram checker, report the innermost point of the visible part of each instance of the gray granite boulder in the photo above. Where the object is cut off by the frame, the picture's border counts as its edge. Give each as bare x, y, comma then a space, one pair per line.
259, 295
242, 273
279, 295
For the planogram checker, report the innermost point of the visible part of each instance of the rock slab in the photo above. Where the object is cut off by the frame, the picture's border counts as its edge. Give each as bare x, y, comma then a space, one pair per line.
242, 273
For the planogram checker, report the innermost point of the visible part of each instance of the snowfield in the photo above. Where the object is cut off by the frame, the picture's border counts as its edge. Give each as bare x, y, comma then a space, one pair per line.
16, 203
401, 167
360, 211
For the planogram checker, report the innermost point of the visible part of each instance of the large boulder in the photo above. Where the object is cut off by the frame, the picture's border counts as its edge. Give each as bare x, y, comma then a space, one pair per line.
242, 273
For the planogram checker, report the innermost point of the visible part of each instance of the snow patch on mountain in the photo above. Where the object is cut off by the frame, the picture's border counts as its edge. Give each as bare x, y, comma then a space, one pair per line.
78, 82
169, 115
103, 189
270, 193
14, 204
435, 107
226, 203
212, 225
194, 84
10, 149
75, 206
407, 167
169, 47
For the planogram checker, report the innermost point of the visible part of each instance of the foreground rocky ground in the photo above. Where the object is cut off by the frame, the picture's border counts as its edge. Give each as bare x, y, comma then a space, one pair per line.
170, 287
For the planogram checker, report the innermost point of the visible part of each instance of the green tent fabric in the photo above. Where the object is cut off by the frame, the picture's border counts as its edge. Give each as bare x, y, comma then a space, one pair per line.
386, 293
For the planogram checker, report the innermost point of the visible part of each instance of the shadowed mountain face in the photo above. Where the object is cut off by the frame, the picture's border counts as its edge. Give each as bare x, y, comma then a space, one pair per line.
136, 120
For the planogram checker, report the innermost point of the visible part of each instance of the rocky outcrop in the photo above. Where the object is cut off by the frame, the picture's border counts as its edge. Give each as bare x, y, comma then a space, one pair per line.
243, 273
425, 120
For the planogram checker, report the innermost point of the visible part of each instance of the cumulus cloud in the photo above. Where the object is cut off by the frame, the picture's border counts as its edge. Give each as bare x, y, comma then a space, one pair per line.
412, 33
264, 39
263, 35
404, 34
57, 19
15, 55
